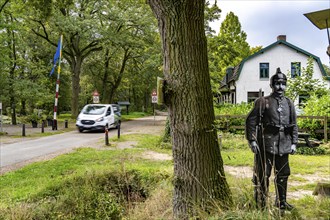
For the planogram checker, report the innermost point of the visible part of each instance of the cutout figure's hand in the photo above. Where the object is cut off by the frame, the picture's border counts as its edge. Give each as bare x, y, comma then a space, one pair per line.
254, 147
293, 149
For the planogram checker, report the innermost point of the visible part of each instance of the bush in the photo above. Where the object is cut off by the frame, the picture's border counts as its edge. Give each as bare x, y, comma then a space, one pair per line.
34, 117
311, 151
95, 195
232, 109
315, 107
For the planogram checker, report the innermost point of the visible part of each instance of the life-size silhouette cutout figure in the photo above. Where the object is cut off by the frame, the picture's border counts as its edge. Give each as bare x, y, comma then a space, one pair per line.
272, 133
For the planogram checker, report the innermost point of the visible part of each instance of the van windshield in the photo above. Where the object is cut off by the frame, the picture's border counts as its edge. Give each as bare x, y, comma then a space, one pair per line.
94, 110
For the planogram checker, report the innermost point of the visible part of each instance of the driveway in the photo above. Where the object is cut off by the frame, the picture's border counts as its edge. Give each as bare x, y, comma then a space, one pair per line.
23, 151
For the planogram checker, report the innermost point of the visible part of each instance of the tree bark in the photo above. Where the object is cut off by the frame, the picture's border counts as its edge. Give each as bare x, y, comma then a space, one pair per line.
117, 79
105, 98
13, 64
75, 77
199, 179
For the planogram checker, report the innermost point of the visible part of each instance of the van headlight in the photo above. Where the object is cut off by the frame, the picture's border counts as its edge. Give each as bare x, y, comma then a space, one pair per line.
100, 119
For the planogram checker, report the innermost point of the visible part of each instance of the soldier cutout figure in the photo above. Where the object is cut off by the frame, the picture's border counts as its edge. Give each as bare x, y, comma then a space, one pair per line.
272, 133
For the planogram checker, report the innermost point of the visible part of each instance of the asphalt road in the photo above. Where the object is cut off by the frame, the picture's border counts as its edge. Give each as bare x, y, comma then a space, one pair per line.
24, 150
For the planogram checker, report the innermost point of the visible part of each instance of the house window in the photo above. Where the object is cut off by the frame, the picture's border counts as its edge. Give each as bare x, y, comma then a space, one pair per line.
295, 69
264, 70
252, 96
303, 99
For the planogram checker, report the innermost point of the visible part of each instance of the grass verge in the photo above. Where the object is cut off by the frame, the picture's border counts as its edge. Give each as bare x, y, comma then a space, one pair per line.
121, 184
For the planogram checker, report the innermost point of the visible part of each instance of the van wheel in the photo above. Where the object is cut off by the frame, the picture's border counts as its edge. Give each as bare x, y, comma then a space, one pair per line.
80, 130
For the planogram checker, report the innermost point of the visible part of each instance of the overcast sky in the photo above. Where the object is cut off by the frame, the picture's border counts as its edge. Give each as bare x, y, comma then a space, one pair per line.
264, 20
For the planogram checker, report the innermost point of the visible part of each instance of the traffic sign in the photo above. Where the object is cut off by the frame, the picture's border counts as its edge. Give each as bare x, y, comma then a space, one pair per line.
154, 98
96, 97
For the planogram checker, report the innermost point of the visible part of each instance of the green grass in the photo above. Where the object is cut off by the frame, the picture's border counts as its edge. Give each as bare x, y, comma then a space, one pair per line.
152, 142
133, 115
93, 184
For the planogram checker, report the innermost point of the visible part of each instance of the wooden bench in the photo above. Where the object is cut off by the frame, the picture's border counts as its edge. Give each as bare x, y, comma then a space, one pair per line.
305, 137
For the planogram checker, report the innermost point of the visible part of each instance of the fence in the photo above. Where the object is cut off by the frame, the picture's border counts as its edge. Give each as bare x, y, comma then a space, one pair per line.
228, 126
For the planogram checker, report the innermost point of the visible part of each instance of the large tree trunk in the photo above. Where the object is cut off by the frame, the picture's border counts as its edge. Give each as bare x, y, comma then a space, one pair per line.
199, 179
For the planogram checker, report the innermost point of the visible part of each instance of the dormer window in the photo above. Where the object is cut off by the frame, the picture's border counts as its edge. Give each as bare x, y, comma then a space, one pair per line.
264, 70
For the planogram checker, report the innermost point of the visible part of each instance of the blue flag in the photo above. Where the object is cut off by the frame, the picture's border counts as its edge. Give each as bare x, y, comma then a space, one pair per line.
56, 56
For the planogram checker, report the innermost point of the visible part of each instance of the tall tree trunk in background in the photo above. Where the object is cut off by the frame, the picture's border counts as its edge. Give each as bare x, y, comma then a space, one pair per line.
117, 80
75, 64
105, 98
13, 64
199, 179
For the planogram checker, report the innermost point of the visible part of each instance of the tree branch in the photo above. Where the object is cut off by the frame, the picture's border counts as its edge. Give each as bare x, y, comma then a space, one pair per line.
3, 5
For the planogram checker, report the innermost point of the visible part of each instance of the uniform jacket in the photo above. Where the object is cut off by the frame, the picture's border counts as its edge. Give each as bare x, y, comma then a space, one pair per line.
278, 124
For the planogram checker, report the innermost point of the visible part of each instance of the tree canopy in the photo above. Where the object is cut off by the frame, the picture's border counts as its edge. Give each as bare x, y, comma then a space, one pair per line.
106, 45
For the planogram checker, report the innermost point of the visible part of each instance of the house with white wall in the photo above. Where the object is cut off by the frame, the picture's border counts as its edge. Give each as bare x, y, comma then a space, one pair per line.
243, 82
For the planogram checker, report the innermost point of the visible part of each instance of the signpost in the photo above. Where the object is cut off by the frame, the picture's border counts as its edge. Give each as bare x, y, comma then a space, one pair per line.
0, 116
154, 99
96, 97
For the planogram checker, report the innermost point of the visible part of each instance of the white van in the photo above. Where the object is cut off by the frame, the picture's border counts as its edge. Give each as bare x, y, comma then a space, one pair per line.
98, 117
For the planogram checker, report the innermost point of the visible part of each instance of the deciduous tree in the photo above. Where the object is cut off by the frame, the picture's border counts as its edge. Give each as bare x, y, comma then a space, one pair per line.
227, 49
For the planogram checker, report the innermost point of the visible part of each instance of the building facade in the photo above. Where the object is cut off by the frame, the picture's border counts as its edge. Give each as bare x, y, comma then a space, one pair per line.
244, 82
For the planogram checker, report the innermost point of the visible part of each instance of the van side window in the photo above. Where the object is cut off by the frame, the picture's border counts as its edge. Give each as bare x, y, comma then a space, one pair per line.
109, 111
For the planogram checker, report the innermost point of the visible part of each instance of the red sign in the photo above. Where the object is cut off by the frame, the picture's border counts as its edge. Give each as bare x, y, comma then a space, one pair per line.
154, 97
95, 93
96, 98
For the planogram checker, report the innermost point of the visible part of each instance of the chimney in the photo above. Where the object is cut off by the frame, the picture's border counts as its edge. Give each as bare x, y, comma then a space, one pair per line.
281, 37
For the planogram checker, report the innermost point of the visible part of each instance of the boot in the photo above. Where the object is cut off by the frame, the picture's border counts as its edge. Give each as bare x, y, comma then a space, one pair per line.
281, 185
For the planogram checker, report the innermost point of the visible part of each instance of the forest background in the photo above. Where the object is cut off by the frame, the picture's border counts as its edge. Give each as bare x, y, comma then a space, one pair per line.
109, 46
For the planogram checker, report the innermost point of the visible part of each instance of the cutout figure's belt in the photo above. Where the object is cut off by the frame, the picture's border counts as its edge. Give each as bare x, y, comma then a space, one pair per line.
279, 128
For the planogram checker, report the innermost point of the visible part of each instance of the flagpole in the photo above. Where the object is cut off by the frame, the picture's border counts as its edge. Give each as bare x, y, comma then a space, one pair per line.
57, 86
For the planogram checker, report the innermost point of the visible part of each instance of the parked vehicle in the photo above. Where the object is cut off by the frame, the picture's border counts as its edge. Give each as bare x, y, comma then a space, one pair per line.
99, 117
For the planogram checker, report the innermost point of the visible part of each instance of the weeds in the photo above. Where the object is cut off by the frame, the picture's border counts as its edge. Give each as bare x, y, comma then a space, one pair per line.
120, 184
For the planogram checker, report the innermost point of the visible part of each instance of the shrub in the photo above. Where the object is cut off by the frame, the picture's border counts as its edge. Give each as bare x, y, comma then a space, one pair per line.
232, 109
316, 107
311, 151
95, 195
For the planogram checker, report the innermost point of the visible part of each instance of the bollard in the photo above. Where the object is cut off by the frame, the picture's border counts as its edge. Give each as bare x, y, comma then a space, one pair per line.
44, 122
118, 130
42, 127
106, 137
66, 124
54, 124
23, 130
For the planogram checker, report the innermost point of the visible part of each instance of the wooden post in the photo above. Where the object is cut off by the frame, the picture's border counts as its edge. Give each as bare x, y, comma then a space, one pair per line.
23, 130
326, 129
118, 132
106, 136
